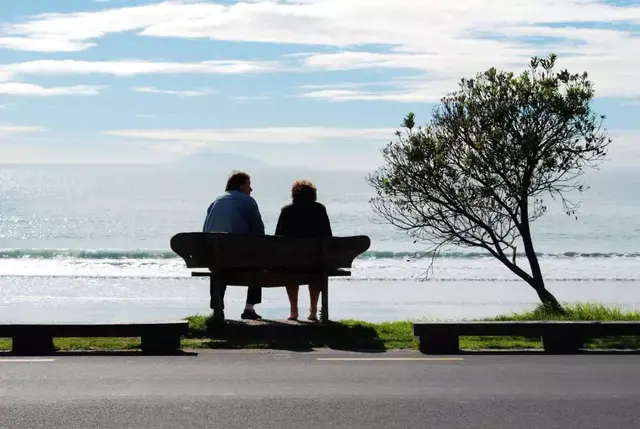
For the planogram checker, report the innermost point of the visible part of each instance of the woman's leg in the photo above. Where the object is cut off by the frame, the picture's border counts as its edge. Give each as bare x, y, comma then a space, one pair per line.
292, 293
314, 295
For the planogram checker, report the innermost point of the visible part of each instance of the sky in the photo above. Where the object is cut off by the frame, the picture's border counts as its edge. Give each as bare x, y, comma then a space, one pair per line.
292, 82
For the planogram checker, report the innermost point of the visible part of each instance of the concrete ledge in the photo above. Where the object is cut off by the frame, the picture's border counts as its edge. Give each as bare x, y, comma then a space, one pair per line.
557, 336
38, 338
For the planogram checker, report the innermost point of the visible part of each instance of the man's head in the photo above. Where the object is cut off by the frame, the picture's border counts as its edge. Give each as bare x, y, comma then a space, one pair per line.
239, 181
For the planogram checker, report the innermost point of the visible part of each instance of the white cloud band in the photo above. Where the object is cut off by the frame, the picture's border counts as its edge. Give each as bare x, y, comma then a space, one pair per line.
445, 40
28, 89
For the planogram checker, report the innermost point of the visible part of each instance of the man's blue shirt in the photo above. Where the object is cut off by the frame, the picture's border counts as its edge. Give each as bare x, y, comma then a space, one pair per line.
234, 212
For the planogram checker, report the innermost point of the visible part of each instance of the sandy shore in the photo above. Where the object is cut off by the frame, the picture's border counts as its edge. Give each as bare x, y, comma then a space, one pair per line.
36, 299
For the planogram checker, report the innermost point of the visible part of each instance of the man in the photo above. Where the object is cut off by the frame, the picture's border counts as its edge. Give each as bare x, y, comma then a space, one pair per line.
236, 211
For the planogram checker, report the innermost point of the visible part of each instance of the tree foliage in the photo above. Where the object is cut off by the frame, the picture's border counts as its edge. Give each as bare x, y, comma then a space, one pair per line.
478, 173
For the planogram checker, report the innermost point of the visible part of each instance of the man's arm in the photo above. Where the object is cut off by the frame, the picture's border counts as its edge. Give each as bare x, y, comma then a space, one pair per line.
254, 219
205, 226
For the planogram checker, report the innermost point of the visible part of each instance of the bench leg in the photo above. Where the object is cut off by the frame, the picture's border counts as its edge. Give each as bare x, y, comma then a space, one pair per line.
324, 310
439, 344
33, 344
562, 344
215, 292
160, 343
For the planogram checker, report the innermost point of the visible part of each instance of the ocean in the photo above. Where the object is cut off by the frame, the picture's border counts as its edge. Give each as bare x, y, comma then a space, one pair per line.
91, 243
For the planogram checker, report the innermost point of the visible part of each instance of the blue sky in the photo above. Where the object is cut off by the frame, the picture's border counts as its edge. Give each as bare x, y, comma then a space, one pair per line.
295, 82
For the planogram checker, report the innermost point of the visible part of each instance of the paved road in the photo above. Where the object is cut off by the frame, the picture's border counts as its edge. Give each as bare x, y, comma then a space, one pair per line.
217, 389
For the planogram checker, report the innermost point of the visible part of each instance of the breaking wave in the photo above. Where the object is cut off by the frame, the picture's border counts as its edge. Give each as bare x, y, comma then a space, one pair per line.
376, 254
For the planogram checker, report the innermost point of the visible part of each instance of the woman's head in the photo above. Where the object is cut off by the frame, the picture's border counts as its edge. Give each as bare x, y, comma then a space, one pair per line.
303, 190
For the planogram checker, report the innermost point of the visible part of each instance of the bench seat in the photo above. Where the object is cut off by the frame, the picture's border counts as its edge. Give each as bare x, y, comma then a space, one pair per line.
267, 260
265, 278
557, 336
38, 338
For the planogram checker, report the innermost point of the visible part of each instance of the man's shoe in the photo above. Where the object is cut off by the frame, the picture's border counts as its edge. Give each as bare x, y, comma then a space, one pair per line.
250, 315
218, 317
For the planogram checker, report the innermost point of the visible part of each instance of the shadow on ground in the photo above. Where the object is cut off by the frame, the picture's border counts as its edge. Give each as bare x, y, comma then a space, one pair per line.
287, 335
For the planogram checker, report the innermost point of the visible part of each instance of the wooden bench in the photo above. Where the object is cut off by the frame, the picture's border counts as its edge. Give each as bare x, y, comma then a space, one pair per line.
557, 336
38, 338
267, 260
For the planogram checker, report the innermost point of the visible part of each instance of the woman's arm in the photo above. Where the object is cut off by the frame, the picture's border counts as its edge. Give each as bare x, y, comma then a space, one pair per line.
280, 227
325, 224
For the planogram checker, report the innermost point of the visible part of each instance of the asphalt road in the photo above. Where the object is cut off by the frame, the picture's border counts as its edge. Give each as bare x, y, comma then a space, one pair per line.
226, 389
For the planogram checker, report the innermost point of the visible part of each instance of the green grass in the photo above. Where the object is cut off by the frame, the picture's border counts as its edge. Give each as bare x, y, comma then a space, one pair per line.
358, 335
573, 312
86, 344
579, 311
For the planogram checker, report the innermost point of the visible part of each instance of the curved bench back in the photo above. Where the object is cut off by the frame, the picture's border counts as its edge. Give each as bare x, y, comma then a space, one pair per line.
244, 251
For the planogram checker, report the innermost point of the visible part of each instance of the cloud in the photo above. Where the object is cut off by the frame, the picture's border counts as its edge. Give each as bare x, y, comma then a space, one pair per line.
441, 39
351, 95
179, 93
293, 145
11, 130
130, 68
316, 22
247, 98
276, 135
28, 89
194, 140
3, 107
613, 72
42, 44
179, 142
401, 90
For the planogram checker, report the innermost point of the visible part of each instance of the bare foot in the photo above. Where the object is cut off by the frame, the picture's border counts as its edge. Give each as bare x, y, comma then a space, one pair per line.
312, 317
293, 316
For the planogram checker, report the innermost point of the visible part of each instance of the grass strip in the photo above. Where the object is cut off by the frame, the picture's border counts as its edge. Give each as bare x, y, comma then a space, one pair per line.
359, 335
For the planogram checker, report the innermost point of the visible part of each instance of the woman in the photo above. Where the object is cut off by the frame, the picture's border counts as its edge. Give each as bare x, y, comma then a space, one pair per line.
306, 218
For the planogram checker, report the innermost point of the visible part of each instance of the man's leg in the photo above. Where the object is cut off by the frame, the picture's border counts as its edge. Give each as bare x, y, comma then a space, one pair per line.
217, 296
254, 296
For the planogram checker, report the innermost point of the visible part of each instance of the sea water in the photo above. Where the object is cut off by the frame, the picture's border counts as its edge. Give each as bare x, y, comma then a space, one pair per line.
91, 243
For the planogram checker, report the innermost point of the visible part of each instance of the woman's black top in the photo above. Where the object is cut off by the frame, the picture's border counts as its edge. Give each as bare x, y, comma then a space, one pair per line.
305, 219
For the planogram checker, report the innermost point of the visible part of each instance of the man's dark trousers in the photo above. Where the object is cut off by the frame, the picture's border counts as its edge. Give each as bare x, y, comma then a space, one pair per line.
254, 296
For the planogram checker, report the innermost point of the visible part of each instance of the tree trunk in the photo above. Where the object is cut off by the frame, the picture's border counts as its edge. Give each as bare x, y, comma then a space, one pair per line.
536, 280
545, 296
537, 283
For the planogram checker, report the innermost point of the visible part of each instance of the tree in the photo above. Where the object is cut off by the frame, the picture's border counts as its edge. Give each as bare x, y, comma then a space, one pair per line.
477, 174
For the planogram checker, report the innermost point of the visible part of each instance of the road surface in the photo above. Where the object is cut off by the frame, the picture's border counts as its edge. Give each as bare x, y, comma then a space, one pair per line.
279, 389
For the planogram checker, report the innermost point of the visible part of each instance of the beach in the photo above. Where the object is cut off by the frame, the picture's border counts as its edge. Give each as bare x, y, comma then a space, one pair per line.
86, 299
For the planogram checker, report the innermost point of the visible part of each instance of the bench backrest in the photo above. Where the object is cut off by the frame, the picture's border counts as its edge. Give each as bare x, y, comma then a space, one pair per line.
238, 251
